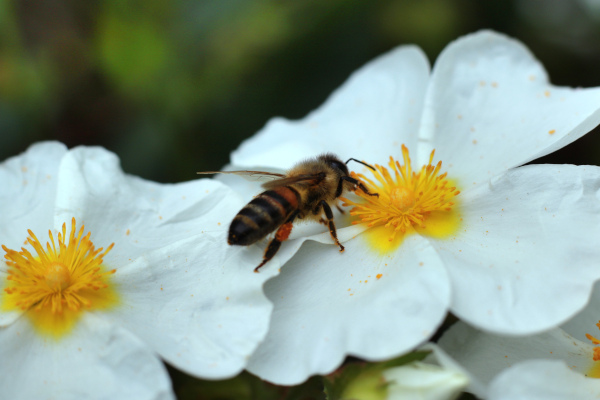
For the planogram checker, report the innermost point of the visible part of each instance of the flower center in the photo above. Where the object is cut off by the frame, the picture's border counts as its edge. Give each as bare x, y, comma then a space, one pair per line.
423, 200
402, 198
54, 286
57, 276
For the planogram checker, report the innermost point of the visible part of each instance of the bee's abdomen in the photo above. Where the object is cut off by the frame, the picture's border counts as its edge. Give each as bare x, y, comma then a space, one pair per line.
262, 215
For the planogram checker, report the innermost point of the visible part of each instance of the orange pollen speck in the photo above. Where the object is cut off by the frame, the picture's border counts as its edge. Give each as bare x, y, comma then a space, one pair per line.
405, 198
60, 275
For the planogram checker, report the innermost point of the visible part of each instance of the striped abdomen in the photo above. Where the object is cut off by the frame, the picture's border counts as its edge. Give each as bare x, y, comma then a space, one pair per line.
265, 213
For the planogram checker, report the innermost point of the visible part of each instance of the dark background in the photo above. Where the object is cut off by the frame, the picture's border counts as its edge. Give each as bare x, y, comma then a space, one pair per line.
174, 86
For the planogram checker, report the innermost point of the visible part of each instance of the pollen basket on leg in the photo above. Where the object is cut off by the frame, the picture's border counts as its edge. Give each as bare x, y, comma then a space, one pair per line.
423, 201
55, 284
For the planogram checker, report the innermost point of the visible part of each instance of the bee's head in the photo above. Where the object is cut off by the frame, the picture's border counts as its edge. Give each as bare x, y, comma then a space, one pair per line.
335, 163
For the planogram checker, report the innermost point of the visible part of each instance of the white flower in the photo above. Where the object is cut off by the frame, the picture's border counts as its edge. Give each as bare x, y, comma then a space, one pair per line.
80, 322
550, 365
543, 380
516, 252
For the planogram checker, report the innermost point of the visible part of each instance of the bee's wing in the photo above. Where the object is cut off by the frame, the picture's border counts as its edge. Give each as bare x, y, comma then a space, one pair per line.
249, 175
303, 178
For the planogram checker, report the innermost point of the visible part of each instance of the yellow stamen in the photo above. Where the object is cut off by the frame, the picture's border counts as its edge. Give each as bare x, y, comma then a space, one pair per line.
58, 283
594, 372
408, 200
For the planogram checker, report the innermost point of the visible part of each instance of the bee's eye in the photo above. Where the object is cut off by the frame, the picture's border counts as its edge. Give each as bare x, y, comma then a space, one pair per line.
338, 165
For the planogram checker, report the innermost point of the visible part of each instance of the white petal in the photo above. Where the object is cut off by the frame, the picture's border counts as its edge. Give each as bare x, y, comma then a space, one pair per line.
526, 255
439, 357
96, 361
329, 305
137, 215
485, 355
6, 317
28, 183
586, 320
490, 107
543, 380
367, 118
193, 298
197, 303
550, 365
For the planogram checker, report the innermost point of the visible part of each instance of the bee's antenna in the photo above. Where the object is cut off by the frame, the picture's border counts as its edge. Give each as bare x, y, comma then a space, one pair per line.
360, 162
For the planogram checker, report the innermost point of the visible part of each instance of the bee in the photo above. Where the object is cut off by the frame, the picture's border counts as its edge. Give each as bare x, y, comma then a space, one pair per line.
306, 191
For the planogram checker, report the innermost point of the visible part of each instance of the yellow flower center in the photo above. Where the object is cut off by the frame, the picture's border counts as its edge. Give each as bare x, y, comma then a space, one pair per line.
57, 276
423, 201
594, 372
54, 287
402, 198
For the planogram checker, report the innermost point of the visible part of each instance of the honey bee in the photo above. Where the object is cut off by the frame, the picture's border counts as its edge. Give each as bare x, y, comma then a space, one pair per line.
306, 191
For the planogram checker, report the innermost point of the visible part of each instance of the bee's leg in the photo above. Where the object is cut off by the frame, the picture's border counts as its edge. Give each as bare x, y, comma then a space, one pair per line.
360, 185
281, 235
340, 209
332, 231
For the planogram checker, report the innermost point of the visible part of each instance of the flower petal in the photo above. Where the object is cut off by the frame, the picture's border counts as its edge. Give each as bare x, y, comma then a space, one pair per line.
28, 184
329, 305
490, 103
543, 380
586, 320
97, 361
198, 303
439, 357
382, 99
525, 257
485, 355
207, 312
137, 214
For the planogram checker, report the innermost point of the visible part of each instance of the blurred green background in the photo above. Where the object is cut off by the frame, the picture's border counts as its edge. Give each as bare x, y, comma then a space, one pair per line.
173, 86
